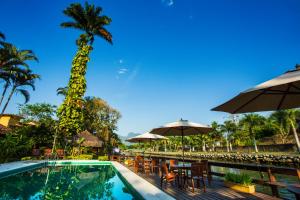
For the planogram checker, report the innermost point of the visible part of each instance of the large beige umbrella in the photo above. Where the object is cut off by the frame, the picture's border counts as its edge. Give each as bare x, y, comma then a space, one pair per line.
282, 92
146, 137
181, 128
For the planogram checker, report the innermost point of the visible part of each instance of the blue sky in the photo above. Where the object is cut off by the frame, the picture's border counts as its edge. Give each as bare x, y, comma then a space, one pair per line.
170, 59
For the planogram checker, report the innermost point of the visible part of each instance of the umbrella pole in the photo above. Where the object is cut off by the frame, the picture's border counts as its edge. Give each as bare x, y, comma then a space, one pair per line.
182, 144
150, 149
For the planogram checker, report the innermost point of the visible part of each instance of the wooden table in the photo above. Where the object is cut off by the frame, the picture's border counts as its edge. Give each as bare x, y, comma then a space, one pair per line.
181, 168
295, 189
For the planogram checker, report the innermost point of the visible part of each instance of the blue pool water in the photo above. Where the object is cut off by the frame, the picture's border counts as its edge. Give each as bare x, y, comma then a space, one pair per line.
67, 182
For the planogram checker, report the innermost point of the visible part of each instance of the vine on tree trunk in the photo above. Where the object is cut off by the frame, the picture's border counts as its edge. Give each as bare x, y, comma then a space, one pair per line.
70, 112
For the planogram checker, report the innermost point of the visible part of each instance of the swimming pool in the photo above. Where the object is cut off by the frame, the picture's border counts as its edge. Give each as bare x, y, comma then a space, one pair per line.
68, 180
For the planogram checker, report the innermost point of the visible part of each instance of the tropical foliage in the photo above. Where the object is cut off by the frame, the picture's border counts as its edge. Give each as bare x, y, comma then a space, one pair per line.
15, 71
243, 130
101, 119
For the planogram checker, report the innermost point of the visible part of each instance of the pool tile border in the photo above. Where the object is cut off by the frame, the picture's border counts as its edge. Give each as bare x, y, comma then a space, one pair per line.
8, 169
143, 187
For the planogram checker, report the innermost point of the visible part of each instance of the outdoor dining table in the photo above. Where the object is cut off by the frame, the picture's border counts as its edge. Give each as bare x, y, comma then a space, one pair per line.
181, 168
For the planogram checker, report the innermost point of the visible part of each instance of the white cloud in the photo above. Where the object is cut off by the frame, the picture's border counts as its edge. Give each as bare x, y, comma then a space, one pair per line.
122, 71
168, 2
121, 61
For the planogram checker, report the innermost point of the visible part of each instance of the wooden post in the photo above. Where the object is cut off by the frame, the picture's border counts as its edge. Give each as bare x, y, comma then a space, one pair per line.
272, 180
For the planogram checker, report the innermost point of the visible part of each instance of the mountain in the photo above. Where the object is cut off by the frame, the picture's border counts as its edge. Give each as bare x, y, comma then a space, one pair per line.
129, 135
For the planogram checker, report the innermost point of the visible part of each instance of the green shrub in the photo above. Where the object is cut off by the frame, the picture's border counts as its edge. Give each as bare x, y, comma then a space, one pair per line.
26, 158
243, 179
103, 158
81, 157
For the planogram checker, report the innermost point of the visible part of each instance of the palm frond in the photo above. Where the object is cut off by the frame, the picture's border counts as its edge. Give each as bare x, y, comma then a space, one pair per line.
2, 36
88, 18
62, 91
25, 94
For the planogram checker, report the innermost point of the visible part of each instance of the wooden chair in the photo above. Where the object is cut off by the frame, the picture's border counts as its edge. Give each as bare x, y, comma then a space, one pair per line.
168, 177
197, 174
115, 158
48, 153
172, 163
154, 166
206, 170
136, 166
147, 167
60, 153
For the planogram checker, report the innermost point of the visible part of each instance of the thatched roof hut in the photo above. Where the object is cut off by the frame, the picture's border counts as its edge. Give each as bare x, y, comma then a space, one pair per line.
90, 140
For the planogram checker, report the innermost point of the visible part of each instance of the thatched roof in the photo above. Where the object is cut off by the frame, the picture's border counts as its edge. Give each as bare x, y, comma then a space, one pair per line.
4, 129
89, 139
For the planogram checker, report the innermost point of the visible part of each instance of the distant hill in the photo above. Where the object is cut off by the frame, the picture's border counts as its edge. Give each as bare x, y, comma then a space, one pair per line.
129, 135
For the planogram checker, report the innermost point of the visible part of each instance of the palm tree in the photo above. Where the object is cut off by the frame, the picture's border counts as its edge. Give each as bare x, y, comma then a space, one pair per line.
89, 20
215, 134
251, 122
11, 58
228, 127
279, 120
287, 119
19, 81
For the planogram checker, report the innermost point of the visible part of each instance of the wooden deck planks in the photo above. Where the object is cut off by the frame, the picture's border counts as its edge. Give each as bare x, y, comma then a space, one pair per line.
216, 191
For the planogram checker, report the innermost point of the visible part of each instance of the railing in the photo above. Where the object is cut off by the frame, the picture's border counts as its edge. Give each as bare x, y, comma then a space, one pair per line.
269, 169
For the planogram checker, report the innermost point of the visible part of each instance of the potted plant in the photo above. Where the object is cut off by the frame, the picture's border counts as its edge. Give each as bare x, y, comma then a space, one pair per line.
240, 182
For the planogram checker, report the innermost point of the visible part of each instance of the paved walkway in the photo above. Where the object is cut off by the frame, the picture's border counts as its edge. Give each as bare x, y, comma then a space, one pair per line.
7, 169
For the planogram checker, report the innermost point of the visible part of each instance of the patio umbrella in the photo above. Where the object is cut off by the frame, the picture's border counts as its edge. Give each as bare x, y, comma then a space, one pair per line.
181, 128
146, 137
282, 92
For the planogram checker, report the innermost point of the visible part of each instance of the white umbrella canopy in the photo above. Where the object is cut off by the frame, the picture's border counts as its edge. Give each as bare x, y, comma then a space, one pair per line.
282, 92
181, 127
146, 137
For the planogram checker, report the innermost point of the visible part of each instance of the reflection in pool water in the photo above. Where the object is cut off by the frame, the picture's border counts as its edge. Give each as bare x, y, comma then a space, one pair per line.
66, 182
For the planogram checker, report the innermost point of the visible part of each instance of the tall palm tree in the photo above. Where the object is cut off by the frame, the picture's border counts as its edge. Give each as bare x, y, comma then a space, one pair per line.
19, 82
88, 19
228, 127
251, 122
215, 134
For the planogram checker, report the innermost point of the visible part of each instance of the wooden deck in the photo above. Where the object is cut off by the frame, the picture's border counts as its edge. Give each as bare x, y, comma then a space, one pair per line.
216, 191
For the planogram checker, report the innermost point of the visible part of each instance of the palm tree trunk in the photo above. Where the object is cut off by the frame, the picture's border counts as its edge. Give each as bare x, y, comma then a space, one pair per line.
227, 145
296, 136
8, 100
230, 146
203, 147
4, 92
255, 145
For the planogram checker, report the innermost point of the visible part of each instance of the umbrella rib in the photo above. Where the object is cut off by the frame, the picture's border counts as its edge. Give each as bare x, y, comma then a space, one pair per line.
245, 104
166, 131
283, 97
294, 86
